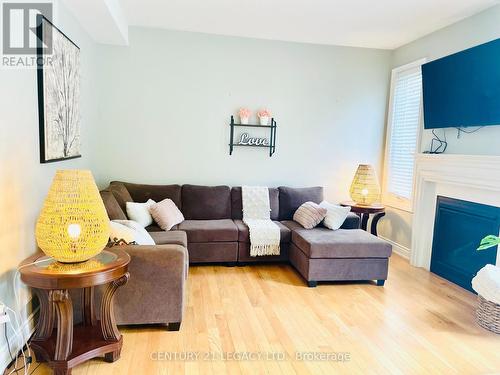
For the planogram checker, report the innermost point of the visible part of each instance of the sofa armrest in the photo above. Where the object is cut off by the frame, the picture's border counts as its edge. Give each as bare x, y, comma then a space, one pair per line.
351, 222
157, 280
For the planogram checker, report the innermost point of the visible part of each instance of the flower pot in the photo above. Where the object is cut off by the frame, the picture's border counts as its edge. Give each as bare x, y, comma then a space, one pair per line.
264, 120
244, 120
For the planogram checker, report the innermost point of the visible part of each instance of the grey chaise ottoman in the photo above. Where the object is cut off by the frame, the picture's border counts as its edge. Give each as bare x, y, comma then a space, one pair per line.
321, 254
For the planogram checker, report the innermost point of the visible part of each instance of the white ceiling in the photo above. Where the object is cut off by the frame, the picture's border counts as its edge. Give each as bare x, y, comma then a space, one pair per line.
384, 24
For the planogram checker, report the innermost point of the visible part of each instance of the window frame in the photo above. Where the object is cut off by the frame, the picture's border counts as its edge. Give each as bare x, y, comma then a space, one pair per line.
390, 199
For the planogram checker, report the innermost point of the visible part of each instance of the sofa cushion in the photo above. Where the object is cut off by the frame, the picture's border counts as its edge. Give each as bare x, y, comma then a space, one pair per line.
172, 237
112, 207
143, 192
341, 243
223, 230
121, 194
243, 235
206, 202
352, 221
237, 203
292, 198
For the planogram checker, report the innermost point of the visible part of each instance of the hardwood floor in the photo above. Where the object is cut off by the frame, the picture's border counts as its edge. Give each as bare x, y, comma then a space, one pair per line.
416, 324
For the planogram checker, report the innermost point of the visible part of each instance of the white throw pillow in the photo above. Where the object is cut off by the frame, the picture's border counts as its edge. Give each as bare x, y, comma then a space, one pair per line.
141, 235
139, 212
335, 215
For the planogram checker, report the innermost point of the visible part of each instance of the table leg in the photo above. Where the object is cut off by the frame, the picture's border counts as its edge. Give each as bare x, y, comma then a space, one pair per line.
88, 311
64, 311
364, 221
108, 324
375, 220
45, 324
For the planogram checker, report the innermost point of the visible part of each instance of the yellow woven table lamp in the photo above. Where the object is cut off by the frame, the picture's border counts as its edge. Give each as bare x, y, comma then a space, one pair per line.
365, 189
73, 225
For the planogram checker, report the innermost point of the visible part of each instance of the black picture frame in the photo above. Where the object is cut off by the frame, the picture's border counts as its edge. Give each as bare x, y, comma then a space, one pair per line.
42, 111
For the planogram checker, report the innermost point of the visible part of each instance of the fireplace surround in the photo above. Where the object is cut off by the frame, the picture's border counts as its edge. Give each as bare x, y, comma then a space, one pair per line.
473, 178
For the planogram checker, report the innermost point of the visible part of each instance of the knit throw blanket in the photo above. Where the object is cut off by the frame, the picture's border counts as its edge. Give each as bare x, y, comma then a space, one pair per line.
264, 234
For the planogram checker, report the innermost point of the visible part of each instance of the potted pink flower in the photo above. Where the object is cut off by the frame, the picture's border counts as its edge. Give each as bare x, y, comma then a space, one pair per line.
264, 116
244, 114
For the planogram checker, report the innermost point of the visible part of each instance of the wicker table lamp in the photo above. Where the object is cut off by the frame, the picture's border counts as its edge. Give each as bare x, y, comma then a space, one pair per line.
365, 189
73, 225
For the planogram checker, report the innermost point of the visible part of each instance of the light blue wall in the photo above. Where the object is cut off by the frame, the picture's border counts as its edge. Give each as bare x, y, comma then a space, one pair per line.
166, 99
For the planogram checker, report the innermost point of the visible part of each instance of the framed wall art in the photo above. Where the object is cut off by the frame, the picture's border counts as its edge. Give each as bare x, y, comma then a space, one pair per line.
58, 73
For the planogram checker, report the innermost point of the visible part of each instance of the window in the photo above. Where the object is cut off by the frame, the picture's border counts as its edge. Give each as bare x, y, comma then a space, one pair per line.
403, 130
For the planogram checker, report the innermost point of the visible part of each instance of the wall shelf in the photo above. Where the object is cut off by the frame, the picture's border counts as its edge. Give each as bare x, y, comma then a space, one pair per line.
272, 136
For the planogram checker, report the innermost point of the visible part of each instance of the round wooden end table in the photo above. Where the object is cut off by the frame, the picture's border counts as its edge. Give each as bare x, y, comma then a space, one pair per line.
56, 340
364, 213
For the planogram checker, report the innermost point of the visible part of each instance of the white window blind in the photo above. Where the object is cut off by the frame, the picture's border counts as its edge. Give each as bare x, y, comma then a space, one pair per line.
403, 131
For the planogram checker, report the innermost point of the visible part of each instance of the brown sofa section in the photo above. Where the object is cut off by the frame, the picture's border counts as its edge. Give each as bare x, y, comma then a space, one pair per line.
120, 193
155, 292
213, 252
290, 199
338, 269
143, 192
343, 243
206, 202
214, 231
224, 230
173, 237
113, 209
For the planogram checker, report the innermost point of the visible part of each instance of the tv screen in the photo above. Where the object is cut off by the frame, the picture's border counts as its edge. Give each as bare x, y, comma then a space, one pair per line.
463, 89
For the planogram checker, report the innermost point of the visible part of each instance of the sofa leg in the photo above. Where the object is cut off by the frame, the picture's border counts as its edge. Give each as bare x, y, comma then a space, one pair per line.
312, 284
380, 282
174, 326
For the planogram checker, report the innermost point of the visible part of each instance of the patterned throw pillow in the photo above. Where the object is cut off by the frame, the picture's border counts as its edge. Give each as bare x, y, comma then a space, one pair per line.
139, 235
309, 215
166, 214
119, 242
120, 235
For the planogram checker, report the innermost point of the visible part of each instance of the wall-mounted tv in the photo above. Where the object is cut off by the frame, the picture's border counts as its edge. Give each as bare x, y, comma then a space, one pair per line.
463, 89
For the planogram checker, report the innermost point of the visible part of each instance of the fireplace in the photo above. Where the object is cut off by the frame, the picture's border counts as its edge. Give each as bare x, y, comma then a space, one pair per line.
472, 178
459, 226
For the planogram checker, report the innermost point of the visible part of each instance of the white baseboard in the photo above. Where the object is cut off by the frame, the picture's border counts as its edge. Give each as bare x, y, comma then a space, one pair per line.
398, 249
27, 328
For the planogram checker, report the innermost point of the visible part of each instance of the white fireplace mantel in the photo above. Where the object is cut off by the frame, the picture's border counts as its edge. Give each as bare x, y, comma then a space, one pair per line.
473, 178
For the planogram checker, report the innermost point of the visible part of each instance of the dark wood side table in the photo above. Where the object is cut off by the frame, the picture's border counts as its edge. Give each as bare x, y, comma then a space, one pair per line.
56, 340
364, 213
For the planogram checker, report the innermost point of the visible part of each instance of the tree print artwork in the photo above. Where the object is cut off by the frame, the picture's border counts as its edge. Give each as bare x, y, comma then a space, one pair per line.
59, 95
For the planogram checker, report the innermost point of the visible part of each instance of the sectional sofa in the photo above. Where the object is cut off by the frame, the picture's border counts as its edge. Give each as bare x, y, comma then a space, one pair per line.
213, 232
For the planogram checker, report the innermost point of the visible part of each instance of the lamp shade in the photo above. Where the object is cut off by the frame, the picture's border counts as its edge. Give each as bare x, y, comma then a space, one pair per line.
73, 225
365, 189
